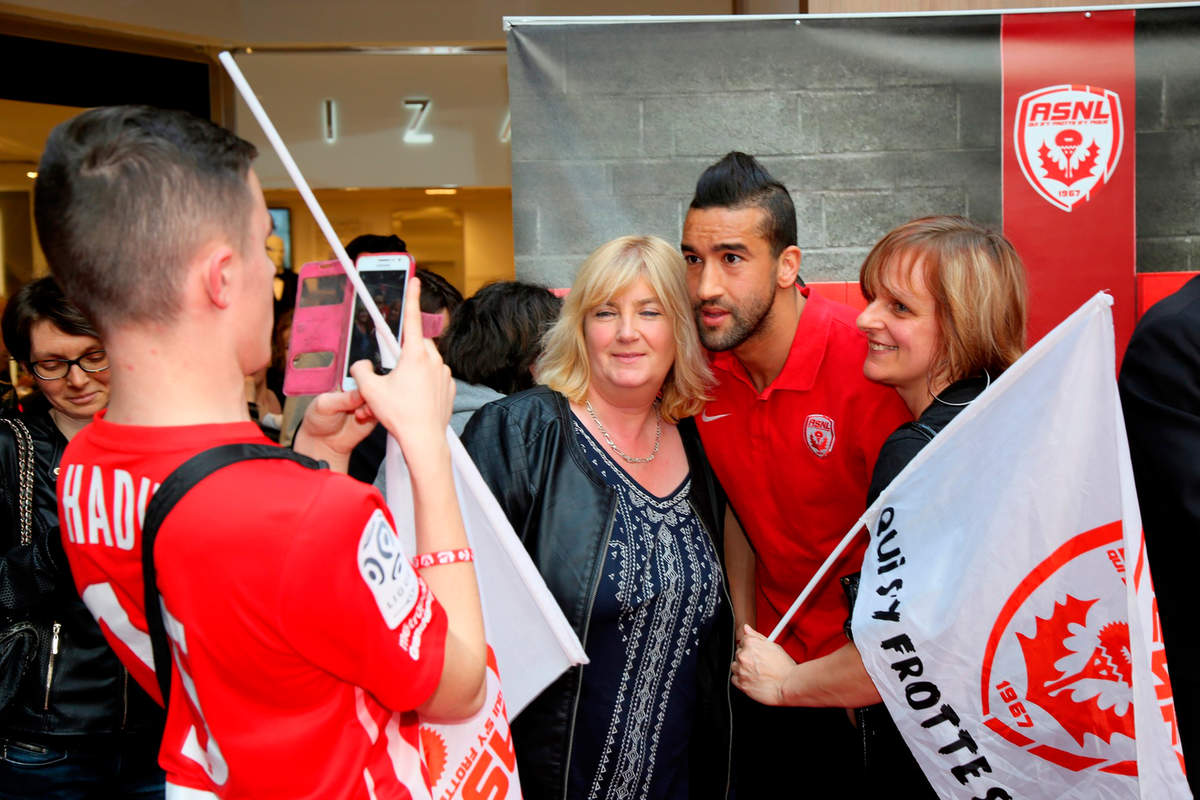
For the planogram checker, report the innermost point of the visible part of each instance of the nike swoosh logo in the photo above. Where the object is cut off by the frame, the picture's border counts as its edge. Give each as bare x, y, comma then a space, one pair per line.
704, 417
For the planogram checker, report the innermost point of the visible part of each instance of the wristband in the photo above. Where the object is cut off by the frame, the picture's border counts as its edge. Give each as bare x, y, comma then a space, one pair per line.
443, 557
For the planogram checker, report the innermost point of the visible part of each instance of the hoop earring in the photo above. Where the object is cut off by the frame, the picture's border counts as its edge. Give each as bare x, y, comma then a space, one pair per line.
986, 375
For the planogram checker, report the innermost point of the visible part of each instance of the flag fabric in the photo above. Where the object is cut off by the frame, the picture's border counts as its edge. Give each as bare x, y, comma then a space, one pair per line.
1005, 611
530, 641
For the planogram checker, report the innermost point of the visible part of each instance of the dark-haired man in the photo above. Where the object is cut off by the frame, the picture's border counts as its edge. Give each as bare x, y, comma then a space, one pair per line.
793, 431
302, 639
439, 298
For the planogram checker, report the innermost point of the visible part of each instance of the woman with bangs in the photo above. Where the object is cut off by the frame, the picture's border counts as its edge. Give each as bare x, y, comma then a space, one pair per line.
602, 474
945, 317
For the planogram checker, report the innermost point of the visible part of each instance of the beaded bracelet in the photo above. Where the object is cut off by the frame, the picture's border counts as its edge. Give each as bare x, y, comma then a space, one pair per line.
443, 557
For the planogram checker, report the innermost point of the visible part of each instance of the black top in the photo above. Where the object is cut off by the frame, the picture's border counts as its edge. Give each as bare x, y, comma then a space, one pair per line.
1160, 395
907, 440
526, 451
75, 685
889, 763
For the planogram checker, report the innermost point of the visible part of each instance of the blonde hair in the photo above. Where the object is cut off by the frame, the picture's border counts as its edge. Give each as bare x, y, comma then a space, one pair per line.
612, 268
977, 282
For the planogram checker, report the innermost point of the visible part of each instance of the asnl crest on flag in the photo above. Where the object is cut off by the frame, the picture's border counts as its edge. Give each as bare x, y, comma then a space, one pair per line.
1068, 141
1005, 610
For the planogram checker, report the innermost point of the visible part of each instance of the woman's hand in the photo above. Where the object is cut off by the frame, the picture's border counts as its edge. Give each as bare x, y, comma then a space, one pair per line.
761, 667
765, 672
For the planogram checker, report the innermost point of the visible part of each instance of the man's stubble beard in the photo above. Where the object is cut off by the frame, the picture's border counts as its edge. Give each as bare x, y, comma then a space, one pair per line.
746, 323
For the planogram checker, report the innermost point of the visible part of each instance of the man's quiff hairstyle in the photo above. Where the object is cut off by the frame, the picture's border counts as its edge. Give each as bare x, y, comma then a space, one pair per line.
125, 196
977, 282
611, 269
739, 181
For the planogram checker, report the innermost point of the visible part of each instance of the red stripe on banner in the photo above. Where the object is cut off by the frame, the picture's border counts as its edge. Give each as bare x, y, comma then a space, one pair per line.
1069, 161
1064, 759
1121, 768
1008, 733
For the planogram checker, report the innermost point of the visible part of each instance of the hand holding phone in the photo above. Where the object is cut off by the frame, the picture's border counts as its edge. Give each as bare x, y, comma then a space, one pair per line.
385, 276
415, 399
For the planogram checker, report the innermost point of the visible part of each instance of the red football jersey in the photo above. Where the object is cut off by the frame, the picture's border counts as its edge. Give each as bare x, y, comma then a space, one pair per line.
796, 462
302, 637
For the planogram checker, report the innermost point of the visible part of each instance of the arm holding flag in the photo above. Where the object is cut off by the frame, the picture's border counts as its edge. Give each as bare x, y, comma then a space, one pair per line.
765, 672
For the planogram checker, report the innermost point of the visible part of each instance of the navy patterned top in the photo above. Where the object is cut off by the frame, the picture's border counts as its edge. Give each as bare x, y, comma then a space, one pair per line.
658, 597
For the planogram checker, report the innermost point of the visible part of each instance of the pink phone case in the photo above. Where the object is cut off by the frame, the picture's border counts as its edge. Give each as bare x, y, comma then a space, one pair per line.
319, 333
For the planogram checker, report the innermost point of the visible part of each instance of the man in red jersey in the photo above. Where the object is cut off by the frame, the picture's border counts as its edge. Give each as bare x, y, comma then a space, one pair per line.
303, 640
792, 431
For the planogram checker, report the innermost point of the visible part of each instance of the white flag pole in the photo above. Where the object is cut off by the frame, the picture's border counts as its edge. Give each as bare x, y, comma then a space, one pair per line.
260, 114
820, 574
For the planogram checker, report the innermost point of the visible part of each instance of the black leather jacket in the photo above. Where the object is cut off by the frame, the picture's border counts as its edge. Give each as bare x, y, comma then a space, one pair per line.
524, 446
77, 686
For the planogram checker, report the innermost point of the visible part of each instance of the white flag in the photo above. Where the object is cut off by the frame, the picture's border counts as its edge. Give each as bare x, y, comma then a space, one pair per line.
532, 640
1005, 610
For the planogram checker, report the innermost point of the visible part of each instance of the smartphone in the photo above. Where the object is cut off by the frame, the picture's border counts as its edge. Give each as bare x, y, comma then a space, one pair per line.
317, 345
385, 276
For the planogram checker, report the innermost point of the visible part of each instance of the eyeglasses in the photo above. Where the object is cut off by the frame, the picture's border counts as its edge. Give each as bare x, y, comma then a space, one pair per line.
55, 368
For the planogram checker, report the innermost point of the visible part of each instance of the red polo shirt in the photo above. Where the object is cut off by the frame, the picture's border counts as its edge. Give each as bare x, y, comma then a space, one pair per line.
796, 461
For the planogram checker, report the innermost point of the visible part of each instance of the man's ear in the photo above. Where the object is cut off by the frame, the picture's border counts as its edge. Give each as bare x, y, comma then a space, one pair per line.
789, 267
217, 263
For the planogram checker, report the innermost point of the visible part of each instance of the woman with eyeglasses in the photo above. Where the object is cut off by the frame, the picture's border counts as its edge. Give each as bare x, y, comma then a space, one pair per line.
72, 723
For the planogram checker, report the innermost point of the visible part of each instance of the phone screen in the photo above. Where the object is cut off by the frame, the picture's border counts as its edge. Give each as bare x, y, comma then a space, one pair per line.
385, 276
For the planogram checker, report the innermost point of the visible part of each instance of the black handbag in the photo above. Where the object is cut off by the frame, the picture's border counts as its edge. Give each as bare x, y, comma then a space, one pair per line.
19, 638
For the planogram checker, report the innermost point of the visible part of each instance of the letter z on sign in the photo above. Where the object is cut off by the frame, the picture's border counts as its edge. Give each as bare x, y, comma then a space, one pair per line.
386, 570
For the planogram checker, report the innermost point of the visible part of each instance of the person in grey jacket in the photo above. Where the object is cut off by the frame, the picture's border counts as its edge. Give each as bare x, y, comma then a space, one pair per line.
492, 343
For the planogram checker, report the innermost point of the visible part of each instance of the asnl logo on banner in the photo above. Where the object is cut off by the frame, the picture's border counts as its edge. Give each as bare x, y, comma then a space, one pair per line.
1068, 141
1058, 663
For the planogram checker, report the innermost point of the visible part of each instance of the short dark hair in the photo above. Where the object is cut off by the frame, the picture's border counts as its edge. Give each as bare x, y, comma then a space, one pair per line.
374, 243
36, 301
437, 293
124, 197
495, 335
739, 181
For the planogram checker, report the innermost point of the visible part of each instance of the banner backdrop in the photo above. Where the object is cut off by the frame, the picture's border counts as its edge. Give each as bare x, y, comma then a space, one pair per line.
1036, 668
1069, 159
870, 122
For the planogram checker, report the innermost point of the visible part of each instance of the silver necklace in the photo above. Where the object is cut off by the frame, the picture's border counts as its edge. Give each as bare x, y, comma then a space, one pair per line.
608, 439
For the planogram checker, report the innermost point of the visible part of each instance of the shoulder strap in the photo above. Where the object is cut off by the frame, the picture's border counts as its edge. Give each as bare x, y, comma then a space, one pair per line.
172, 490
923, 429
25, 456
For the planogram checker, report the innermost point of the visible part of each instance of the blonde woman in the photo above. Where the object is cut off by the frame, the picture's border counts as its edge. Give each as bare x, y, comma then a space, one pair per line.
601, 472
946, 317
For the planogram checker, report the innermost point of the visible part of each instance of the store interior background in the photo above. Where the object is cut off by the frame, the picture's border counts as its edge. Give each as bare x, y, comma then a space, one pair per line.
396, 112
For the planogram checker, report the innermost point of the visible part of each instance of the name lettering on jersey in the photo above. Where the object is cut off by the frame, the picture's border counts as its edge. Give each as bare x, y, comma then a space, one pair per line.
115, 511
386, 571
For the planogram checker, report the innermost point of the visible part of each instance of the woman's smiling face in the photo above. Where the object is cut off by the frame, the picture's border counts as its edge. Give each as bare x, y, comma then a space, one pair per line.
903, 334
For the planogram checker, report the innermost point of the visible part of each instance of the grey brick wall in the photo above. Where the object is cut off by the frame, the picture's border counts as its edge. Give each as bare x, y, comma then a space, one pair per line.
869, 122
613, 124
1167, 45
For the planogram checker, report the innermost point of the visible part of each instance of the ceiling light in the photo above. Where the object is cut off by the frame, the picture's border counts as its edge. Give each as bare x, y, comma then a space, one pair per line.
441, 191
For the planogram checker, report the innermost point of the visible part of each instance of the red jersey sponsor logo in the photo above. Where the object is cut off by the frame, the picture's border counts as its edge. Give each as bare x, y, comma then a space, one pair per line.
1068, 141
819, 434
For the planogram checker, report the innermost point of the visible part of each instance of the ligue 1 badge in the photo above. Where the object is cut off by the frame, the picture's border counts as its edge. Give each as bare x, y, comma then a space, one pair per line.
1068, 141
